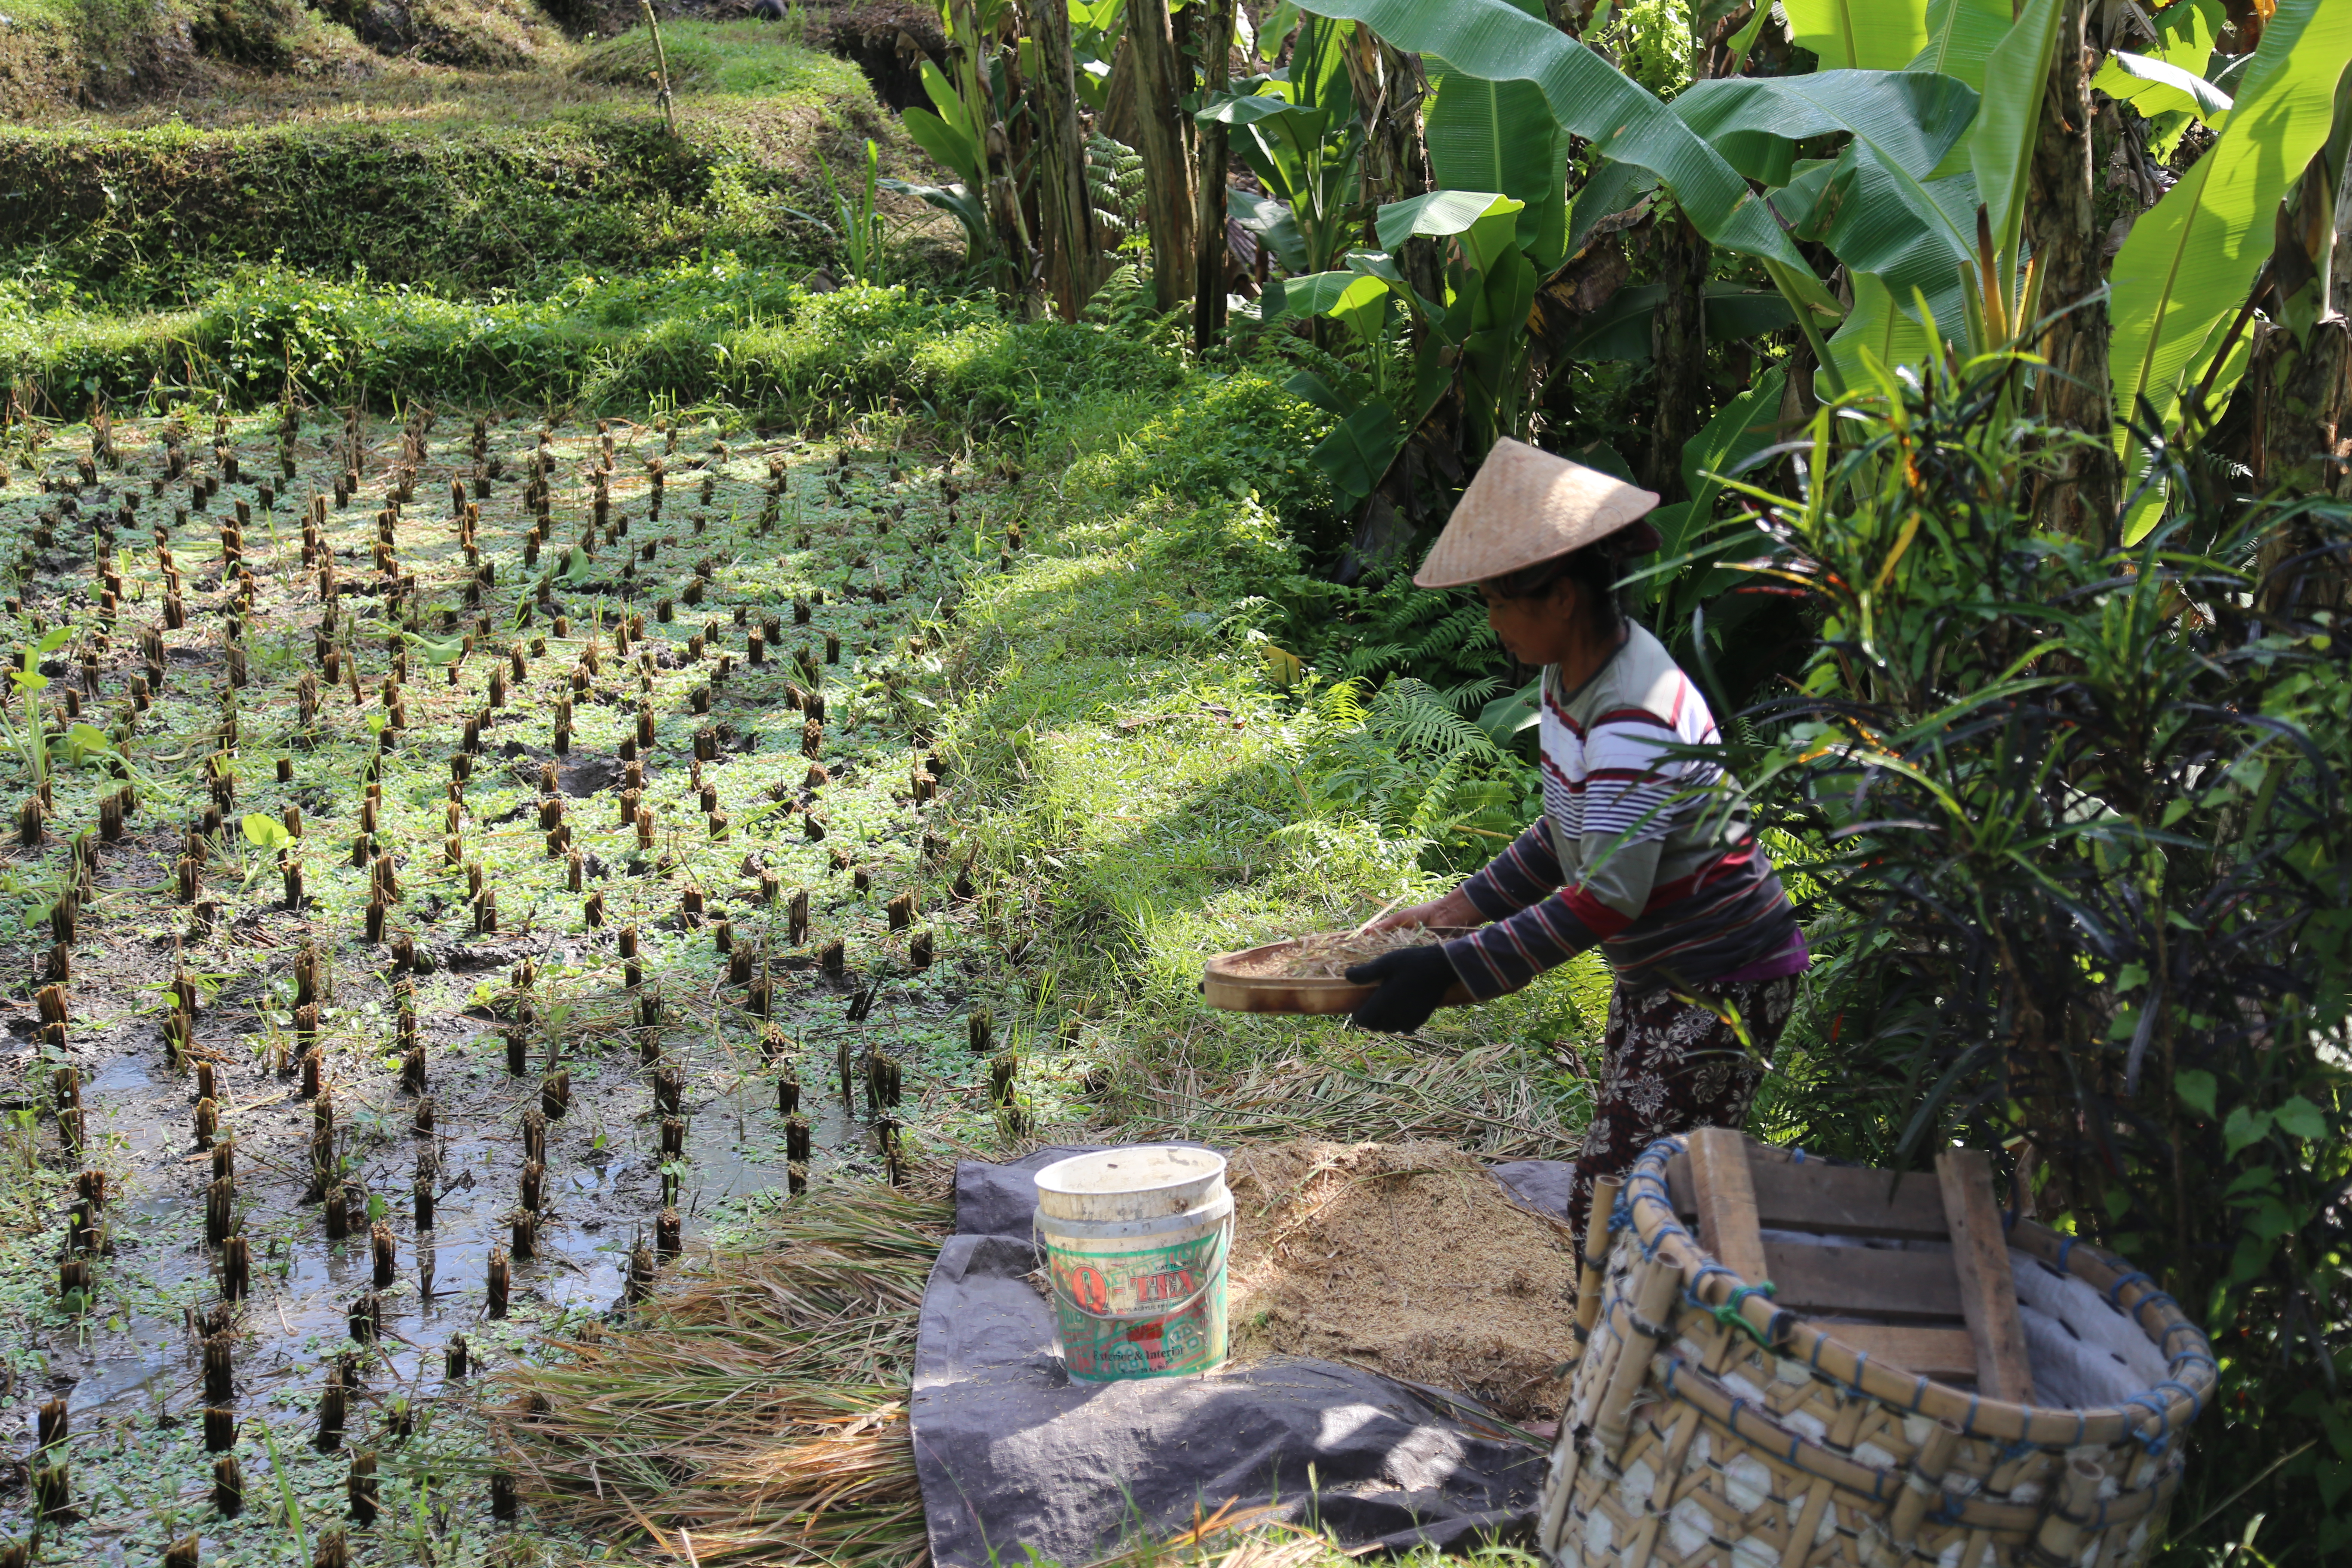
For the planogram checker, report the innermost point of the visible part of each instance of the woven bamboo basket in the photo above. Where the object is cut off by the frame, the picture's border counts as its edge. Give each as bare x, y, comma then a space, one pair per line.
1704, 1426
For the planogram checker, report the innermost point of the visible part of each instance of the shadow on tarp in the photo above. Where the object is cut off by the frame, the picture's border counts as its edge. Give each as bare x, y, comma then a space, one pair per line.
1014, 1458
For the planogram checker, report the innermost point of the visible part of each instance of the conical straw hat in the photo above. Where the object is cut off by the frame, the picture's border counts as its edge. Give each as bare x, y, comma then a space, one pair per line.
1527, 505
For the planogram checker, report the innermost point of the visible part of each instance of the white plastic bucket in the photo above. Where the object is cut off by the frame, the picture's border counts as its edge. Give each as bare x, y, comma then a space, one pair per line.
1136, 1243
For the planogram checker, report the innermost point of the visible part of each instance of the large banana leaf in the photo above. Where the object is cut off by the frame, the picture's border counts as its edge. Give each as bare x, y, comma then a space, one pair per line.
1281, 142
1864, 35
1316, 294
2191, 258
1495, 41
948, 136
1273, 223
1911, 235
954, 153
1499, 136
1961, 35
1893, 220
1875, 329
2156, 87
1891, 217
1912, 118
2009, 121
1438, 215
1686, 573
1356, 454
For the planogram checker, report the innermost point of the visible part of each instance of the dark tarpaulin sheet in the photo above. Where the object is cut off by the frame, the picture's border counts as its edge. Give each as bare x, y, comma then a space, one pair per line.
1015, 1457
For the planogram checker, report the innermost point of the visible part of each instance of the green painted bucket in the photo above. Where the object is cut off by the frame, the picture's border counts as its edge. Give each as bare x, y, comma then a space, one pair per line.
1136, 1243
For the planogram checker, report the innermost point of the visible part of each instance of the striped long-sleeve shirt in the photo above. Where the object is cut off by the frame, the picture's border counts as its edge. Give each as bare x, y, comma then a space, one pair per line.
1648, 854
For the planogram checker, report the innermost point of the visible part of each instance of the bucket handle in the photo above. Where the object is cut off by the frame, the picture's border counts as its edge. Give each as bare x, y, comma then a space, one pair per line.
1208, 1278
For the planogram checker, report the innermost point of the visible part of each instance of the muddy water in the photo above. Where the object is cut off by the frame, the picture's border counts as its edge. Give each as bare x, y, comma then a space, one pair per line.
601, 1193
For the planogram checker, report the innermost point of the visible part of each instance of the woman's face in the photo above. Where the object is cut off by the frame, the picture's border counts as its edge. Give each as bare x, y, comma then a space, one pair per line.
1546, 628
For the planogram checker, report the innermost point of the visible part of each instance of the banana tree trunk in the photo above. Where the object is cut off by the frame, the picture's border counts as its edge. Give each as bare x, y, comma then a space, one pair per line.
1568, 15
1391, 87
1168, 182
1678, 350
1024, 276
1066, 225
1216, 35
2062, 225
1394, 86
997, 195
2301, 371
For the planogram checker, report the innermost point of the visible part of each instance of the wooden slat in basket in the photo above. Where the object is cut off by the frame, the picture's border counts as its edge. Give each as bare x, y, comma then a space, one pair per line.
1862, 1281
1831, 1200
1981, 1262
1728, 1224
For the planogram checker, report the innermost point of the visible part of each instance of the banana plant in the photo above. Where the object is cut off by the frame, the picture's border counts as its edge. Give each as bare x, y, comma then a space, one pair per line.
1500, 136
1924, 148
1301, 137
1095, 29
1475, 338
1883, 206
958, 142
1898, 204
1848, 35
2190, 261
1494, 41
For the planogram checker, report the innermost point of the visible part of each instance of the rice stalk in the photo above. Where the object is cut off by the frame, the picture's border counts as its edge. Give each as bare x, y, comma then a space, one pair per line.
1480, 1100
755, 1411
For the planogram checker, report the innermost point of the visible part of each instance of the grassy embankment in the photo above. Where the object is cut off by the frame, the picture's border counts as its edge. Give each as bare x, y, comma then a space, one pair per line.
518, 237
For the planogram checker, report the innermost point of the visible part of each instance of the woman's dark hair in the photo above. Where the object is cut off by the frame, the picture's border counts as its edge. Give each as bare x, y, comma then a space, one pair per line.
1595, 569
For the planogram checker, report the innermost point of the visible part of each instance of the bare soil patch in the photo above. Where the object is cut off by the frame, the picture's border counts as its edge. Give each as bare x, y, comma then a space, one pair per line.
1408, 1258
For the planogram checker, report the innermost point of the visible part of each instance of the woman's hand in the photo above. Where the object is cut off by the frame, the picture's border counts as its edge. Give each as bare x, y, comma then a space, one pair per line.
1454, 912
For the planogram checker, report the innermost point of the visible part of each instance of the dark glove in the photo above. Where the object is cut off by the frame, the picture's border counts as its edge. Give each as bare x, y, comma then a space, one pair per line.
1413, 980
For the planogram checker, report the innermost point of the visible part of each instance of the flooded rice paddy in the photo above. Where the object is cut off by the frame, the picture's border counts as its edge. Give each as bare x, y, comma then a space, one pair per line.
473, 854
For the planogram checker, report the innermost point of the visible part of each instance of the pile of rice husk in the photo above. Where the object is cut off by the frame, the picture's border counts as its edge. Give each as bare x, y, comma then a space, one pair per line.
1327, 955
1408, 1258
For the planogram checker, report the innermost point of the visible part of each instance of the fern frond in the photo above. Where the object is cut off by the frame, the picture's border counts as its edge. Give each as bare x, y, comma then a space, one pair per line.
1411, 715
1472, 694
1344, 702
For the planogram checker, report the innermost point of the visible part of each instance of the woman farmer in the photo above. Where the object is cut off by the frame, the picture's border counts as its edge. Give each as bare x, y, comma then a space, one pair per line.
1643, 849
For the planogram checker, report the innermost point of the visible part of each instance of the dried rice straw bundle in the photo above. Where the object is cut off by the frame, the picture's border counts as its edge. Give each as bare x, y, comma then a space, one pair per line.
757, 1410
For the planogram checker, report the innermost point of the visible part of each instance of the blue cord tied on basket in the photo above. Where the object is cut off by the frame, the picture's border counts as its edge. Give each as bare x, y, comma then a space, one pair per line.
1727, 1312
2154, 1442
